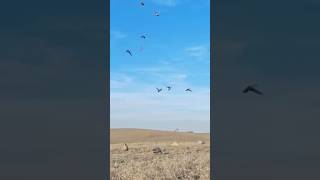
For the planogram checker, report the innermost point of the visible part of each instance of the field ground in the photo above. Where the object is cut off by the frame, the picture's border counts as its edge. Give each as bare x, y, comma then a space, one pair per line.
182, 155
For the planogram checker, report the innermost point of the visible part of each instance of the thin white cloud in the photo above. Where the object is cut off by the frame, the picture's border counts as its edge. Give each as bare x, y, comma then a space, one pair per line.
176, 109
179, 76
199, 52
117, 34
120, 81
169, 3
161, 75
152, 70
173, 3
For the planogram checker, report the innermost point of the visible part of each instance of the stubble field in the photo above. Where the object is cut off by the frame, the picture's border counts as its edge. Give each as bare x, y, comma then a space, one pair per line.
159, 155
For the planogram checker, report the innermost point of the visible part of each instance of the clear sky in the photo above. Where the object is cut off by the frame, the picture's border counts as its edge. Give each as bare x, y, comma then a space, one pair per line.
176, 52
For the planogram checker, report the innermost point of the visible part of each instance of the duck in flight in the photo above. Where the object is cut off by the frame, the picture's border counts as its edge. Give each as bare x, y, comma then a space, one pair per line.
169, 88
156, 13
159, 89
143, 37
253, 89
142, 3
188, 90
129, 52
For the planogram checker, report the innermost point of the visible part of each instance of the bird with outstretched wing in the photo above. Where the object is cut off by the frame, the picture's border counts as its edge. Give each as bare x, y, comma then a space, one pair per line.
156, 13
252, 88
129, 52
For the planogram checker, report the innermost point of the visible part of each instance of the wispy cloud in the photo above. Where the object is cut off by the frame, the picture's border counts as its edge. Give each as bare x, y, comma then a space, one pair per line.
170, 3
199, 52
120, 81
179, 76
117, 34
175, 109
165, 74
173, 3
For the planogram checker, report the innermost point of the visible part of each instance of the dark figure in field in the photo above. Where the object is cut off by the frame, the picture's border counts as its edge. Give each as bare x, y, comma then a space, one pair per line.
157, 150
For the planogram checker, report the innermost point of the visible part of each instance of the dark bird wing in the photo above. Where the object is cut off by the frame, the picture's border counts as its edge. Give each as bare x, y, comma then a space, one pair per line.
129, 52
256, 91
156, 13
246, 90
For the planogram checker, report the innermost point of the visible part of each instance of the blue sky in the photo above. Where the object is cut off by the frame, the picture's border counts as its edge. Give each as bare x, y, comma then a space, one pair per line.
176, 52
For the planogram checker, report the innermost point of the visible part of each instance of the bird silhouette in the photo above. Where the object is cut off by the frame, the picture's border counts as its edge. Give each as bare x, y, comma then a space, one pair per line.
143, 36
169, 88
156, 13
159, 89
142, 3
188, 90
129, 52
253, 89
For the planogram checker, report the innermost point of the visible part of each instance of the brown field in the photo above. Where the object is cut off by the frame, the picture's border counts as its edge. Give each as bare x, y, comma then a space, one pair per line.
186, 159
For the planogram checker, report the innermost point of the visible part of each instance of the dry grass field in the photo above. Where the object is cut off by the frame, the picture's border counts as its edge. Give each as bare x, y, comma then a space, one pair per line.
159, 155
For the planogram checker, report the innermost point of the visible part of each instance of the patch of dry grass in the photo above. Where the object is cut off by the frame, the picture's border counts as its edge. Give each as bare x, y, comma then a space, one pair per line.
146, 135
187, 161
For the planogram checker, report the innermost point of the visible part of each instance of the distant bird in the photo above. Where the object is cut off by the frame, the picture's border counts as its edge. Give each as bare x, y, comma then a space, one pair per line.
159, 89
252, 88
156, 13
142, 3
188, 90
129, 52
169, 88
143, 36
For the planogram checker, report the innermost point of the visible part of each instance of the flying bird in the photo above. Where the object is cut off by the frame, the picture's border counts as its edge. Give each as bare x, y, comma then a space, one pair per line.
159, 89
156, 13
142, 3
143, 36
169, 88
129, 52
188, 90
253, 89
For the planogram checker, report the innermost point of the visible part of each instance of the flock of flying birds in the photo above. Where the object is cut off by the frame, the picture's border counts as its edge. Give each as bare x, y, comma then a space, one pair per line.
169, 89
249, 88
155, 13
